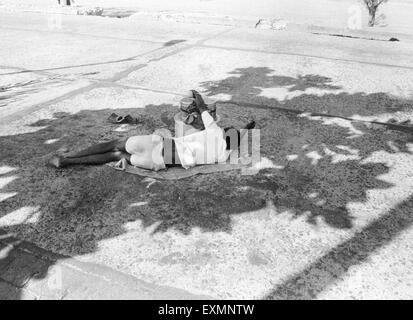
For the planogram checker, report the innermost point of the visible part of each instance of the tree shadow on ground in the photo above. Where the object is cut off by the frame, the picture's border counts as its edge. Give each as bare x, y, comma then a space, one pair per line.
319, 167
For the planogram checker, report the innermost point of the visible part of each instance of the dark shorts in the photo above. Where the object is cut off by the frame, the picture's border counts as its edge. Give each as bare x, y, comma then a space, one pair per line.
169, 153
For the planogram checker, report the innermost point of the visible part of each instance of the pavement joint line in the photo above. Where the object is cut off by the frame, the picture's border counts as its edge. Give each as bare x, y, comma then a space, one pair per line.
116, 77
7, 119
123, 74
75, 92
216, 35
185, 47
129, 87
23, 70
83, 65
81, 34
305, 55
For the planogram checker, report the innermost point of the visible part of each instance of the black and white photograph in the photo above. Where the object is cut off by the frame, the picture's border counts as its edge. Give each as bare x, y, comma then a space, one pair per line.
206, 156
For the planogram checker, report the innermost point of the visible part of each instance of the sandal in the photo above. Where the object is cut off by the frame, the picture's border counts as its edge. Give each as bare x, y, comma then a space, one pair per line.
115, 119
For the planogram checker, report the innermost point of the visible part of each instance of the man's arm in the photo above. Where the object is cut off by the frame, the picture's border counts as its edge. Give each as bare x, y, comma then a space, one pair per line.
207, 119
203, 110
199, 101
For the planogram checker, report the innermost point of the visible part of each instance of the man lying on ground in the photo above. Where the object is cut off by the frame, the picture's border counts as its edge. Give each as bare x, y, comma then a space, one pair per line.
154, 152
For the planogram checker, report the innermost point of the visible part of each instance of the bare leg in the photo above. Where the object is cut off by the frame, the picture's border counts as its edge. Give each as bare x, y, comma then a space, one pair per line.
60, 162
105, 147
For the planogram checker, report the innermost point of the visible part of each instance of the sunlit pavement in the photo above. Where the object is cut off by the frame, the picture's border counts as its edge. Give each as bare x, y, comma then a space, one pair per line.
327, 216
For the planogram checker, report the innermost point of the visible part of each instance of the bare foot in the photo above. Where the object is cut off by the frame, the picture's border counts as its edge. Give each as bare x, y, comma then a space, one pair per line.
56, 162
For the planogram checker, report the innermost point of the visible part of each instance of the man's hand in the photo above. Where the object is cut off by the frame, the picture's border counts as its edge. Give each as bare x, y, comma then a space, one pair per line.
199, 101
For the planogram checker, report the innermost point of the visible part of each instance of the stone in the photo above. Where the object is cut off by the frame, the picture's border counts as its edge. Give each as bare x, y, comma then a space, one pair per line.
273, 24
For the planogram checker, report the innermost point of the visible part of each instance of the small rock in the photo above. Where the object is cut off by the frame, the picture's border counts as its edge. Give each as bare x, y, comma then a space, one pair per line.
279, 25
63, 150
392, 120
274, 24
263, 24
91, 11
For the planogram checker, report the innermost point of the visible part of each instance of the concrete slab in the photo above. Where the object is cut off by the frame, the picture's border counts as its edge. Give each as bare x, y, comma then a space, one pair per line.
327, 183
331, 204
312, 45
259, 77
73, 58
21, 91
382, 278
63, 50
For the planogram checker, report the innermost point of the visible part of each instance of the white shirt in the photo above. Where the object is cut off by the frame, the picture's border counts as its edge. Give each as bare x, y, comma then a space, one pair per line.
204, 147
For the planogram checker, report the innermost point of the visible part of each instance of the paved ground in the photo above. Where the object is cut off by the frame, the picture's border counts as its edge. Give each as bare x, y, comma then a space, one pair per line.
328, 216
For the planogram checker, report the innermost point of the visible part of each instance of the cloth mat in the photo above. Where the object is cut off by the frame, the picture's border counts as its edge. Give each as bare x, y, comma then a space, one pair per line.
176, 173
